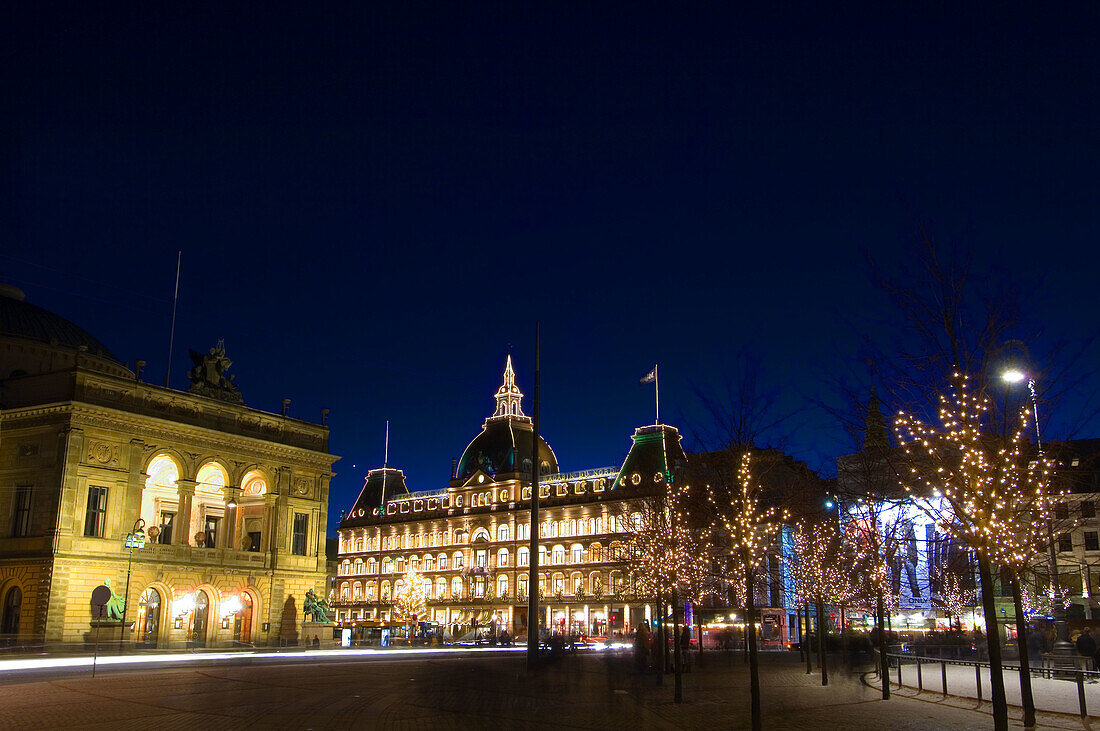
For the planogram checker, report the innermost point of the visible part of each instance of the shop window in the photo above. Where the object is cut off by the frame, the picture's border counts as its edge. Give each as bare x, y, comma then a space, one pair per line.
95, 518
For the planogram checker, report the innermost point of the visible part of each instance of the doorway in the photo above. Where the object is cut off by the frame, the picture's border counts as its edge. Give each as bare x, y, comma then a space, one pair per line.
197, 635
242, 622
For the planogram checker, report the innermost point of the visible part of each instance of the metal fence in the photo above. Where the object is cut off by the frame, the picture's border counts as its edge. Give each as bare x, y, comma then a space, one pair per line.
1046, 669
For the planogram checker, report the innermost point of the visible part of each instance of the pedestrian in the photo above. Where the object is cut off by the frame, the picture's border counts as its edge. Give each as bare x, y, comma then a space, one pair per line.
685, 648
641, 649
1086, 645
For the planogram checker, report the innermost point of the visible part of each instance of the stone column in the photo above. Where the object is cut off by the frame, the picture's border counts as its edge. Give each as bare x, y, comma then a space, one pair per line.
181, 528
232, 495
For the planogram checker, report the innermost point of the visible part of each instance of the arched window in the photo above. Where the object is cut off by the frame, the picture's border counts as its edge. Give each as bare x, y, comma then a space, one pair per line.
456, 587
456, 560
559, 584
359, 545
502, 557
387, 565
595, 552
522, 586
426, 585
385, 591
502, 532
357, 592
345, 567
414, 563
371, 589
576, 553
572, 527
554, 529
543, 553
577, 584
13, 607
523, 557
345, 590
440, 588
593, 526
372, 566
441, 560
429, 562
559, 554
399, 565
358, 566
502, 586
160, 500
481, 534
616, 581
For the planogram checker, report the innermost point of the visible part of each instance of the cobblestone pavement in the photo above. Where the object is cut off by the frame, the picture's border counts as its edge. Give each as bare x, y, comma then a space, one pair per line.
486, 691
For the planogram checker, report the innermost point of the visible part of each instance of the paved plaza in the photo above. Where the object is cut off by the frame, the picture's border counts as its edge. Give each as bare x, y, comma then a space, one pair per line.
472, 691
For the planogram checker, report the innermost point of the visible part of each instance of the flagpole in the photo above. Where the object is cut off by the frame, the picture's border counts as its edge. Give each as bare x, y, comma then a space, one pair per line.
385, 464
657, 392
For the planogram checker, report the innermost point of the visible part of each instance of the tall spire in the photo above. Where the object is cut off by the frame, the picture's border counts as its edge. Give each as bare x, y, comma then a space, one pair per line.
508, 396
874, 428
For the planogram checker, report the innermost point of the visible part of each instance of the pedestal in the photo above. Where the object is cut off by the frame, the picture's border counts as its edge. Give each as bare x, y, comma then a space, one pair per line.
318, 634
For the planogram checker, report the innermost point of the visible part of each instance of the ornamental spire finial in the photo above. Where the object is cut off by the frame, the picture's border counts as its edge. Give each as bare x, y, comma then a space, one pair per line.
508, 396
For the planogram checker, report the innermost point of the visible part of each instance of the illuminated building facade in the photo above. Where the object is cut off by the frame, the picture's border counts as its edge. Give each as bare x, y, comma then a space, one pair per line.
470, 540
233, 499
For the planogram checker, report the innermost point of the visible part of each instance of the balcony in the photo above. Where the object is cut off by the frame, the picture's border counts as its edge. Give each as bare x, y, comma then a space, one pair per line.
192, 556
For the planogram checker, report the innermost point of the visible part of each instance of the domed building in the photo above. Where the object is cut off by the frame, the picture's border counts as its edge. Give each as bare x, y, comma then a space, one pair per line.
468, 544
224, 505
503, 448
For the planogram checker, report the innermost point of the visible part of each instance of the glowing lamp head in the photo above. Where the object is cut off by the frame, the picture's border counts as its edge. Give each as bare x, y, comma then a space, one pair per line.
1013, 375
829, 504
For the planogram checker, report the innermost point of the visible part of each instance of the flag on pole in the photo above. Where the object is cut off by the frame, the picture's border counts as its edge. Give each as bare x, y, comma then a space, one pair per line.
649, 377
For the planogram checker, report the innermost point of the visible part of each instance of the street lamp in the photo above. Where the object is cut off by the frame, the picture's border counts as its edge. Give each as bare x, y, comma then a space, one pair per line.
135, 538
1063, 648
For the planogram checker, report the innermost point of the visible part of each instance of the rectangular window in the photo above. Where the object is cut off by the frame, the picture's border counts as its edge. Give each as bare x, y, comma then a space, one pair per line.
1061, 511
211, 531
301, 528
96, 516
254, 541
1092, 541
1065, 543
480, 558
166, 521
1088, 509
21, 512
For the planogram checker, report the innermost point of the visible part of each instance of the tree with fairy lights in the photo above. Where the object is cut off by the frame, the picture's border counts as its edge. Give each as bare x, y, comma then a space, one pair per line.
743, 536
818, 569
410, 600
953, 596
666, 558
978, 487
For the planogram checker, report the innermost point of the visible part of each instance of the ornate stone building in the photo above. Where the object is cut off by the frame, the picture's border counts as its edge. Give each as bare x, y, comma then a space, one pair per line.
233, 499
470, 540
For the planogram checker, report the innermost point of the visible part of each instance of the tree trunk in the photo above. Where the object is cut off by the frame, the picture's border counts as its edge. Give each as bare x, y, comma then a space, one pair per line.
993, 640
802, 637
754, 666
678, 660
883, 661
822, 649
658, 643
1025, 662
806, 644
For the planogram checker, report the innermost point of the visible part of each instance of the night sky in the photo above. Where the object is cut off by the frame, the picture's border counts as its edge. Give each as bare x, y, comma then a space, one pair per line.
376, 204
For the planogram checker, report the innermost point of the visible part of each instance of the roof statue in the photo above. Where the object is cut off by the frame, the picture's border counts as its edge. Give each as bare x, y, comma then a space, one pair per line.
209, 378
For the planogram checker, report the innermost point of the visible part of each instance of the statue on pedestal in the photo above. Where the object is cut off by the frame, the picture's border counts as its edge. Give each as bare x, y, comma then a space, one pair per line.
318, 609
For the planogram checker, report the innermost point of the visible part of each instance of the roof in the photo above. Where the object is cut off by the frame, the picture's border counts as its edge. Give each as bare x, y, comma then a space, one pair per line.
655, 456
20, 319
503, 447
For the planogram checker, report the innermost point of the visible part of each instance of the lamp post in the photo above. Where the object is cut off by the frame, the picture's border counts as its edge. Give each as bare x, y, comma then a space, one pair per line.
1063, 648
135, 537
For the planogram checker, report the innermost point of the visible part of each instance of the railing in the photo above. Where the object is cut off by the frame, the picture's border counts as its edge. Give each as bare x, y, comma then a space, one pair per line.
579, 475
1046, 669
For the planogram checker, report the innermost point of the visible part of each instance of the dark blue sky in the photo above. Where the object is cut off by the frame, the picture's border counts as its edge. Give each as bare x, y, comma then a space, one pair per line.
373, 204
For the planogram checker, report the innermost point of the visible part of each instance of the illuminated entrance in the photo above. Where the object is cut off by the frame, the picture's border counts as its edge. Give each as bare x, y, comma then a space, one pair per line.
148, 619
242, 621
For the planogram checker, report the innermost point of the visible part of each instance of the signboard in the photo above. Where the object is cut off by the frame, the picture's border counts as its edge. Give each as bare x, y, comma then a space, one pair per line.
345, 637
135, 540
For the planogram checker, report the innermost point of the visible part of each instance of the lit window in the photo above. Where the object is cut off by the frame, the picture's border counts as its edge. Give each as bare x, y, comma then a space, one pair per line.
502, 533
523, 557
